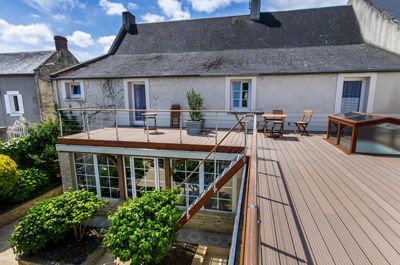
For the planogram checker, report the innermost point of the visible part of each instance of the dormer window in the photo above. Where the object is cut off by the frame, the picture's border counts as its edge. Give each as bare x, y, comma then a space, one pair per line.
73, 90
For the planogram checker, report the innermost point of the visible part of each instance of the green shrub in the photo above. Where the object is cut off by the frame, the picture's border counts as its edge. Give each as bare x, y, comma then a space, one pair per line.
31, 183
52, 219
142, 229
37, 150
8, 175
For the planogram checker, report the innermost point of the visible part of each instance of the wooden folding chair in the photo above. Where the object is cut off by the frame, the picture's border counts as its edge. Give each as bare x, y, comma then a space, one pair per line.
302, 124
280, 122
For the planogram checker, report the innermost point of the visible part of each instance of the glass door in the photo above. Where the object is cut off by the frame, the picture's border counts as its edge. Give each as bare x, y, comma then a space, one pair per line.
139, 102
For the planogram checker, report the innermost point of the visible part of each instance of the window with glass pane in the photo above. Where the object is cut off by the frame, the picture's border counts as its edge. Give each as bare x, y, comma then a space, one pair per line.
182, 169
130, 185
161, 173
145, 178
222, 200
85, 173
240, 95
351, 96
109, 184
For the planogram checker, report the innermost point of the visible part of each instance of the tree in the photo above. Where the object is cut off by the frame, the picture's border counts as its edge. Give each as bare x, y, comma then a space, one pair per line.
142, 229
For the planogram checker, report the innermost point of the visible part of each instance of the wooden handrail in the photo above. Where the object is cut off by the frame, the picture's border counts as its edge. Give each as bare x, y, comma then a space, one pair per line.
251, 233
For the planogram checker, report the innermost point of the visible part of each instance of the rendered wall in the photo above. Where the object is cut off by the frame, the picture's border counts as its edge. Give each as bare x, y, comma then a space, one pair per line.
292, 93
26, 86
387, 95
376, 27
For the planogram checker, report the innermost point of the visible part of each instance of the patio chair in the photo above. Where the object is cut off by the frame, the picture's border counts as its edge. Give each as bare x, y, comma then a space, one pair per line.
301, 125
280, 122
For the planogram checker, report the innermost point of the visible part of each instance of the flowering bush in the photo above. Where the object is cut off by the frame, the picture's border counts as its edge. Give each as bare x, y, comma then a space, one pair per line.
51, 220
142, 229
8, 175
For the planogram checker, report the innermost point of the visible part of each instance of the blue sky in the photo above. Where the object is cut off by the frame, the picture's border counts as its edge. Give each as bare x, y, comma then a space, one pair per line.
91, 25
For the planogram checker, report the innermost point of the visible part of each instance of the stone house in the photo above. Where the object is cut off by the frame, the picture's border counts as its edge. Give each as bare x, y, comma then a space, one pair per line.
25, 85
325, 59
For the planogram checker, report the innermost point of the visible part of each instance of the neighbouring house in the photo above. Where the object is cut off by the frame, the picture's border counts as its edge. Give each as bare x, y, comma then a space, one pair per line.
292, 191
25, 84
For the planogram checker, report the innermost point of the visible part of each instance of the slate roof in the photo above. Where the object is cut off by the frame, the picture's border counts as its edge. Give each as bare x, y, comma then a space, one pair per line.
287, 29
321, 40
22, 62
389, 7
325, 59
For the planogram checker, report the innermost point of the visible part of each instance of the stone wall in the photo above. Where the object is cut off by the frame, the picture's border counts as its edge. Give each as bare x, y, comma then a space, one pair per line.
209, 221
67, 171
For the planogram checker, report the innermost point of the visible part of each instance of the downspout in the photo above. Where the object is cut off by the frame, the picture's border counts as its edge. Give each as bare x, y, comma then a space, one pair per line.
39, 97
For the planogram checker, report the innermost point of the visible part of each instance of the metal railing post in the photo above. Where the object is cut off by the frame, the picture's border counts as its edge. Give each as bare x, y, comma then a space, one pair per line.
116, 125
61, 125
87, 125
245, 134
180, 128
187, 200
146, 121
216, 142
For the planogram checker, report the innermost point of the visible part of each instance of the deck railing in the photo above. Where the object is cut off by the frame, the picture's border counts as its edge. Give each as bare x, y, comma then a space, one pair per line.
88, 122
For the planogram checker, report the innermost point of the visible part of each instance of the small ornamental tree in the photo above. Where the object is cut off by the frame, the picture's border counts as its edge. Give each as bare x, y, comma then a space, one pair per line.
142, 229
195, 102
51, 220
8, 175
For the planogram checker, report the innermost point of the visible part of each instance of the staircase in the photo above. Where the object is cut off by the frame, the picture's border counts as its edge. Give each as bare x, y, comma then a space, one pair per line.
191, 209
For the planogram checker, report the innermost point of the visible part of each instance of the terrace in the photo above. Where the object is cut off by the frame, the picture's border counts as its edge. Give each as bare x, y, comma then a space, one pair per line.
304, 201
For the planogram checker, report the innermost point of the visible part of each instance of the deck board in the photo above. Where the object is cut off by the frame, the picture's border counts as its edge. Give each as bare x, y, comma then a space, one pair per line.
343, 209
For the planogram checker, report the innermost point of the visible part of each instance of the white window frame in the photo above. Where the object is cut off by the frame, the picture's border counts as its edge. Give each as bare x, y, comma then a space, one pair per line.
133, 178
201, 185
96, 175
252, 92
67, 90
364, 77
10, 106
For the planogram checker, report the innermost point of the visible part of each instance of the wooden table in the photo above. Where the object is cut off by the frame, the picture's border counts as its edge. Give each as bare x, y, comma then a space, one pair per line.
272, 117
241, 113
149, 116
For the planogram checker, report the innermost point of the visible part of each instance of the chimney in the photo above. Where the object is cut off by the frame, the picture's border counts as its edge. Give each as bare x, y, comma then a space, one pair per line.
255, 6
61, 43
128, 20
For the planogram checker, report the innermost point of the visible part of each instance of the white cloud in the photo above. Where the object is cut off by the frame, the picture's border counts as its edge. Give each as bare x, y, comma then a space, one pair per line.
112, 8
60, 17
106, 42
133, 6
34, 15
149, 17
301, 4
209, 6
51, 5
81, 39
173, 9
32, 34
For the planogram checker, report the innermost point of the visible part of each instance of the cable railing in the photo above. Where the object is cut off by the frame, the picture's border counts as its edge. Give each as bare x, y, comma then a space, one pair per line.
217, 176
166, 125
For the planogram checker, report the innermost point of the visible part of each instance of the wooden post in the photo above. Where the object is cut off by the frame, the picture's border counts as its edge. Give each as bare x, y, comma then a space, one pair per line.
168, 172
121, 178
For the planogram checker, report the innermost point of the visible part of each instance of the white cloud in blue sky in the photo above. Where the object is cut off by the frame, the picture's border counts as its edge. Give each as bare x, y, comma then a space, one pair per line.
91, 25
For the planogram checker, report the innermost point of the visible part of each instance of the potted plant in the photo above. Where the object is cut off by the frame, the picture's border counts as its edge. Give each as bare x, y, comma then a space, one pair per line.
195, 122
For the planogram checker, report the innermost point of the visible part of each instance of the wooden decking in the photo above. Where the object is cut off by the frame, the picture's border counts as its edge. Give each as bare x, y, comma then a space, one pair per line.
164, 138
321, 206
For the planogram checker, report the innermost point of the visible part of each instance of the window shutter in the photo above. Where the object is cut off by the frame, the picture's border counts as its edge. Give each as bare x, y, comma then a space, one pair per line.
7, 102
21, 104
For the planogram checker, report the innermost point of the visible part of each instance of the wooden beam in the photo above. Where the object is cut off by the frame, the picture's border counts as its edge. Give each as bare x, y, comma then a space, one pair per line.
168, 172
121, 178
158, 146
